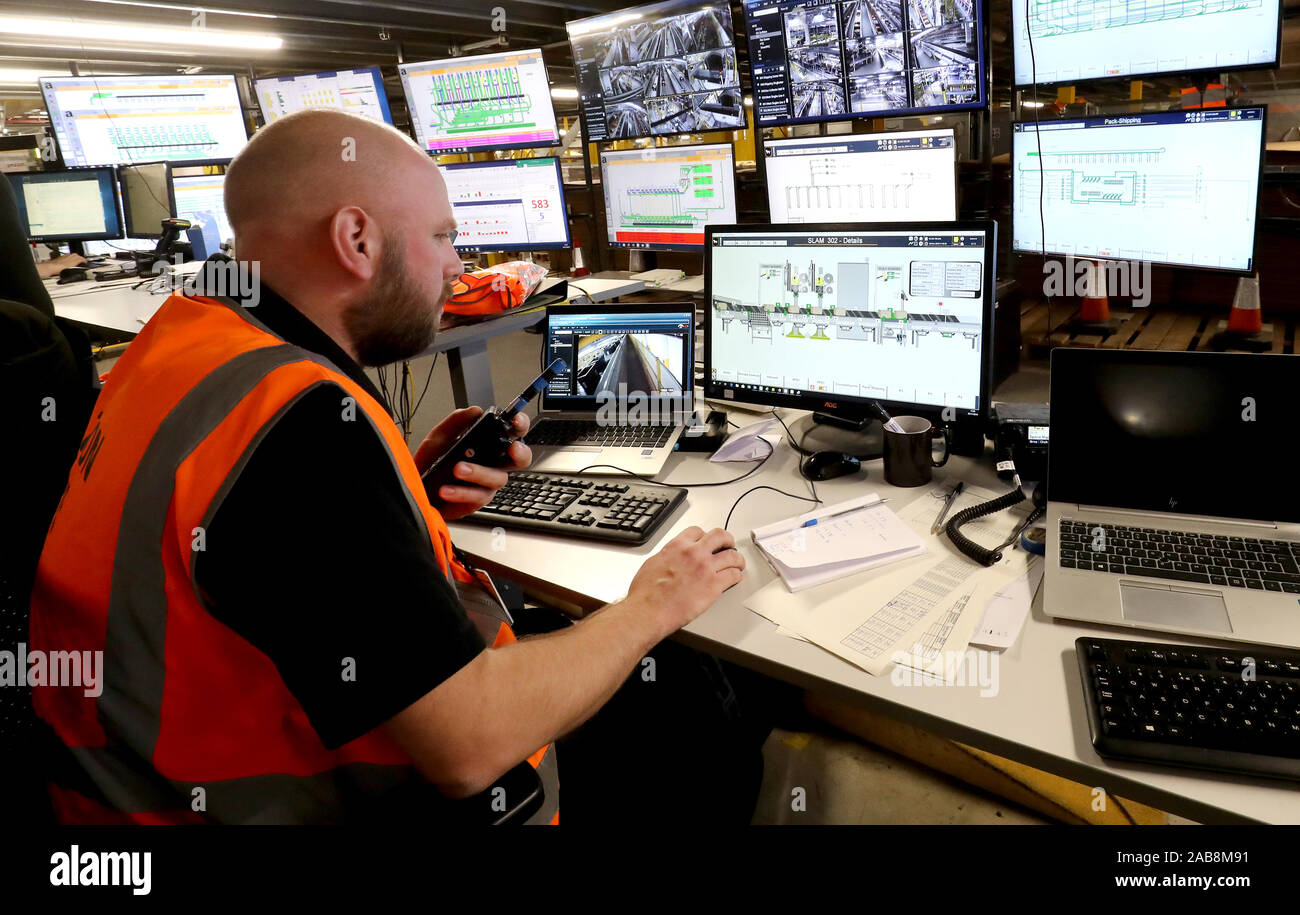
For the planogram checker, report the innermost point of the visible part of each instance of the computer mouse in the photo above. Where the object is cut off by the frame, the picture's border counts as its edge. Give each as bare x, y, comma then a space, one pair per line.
827, 465
72, 275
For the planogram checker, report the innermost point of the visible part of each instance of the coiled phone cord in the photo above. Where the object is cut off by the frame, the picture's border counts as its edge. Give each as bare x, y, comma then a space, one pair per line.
983, 555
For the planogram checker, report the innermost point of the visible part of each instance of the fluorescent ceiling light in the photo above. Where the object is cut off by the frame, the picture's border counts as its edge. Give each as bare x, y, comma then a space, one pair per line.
601, 23
192, 9
564, 92
1033, 104
138, 34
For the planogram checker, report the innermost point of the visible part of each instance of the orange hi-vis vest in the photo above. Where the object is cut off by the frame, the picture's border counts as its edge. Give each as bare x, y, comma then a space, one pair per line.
184, 702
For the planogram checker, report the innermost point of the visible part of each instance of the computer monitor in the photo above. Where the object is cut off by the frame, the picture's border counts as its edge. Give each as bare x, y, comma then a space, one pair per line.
354, 91
487, 101
620, 351
79, 204
908, 175
1095, 39
657, 70
831, 317
508, 205
200, 199
1176, 187
111, 120
661, 198
841, 59
146, 198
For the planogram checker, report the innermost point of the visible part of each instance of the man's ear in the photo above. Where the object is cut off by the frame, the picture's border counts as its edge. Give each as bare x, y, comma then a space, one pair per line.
354, 238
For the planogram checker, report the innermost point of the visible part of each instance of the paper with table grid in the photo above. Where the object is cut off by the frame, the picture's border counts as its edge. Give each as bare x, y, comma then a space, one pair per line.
917, 612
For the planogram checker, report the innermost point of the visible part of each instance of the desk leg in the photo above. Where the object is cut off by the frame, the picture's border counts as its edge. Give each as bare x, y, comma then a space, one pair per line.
471, 375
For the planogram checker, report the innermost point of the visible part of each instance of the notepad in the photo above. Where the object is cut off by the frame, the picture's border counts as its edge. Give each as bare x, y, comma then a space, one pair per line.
848, 537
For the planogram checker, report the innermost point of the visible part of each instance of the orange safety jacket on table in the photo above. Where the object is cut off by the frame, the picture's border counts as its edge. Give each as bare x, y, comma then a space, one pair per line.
186, 702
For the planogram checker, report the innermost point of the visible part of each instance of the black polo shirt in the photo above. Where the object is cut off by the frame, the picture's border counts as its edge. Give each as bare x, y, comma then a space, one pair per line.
314, 557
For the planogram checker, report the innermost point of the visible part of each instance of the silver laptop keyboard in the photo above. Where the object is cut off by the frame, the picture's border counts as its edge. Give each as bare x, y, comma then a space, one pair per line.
590, 433
1207, 559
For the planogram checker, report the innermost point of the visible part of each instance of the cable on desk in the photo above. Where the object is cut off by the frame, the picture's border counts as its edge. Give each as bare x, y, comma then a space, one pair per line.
756, 489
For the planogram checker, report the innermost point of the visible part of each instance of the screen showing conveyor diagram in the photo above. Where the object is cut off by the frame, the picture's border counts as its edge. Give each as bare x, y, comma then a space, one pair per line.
908, 175
1177, 187
819, 60
487, 101
117, 120
1093, 39
662, 198
892, 316
657, 70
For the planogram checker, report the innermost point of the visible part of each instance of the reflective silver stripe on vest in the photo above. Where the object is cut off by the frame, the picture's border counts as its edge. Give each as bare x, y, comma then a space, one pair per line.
549, 773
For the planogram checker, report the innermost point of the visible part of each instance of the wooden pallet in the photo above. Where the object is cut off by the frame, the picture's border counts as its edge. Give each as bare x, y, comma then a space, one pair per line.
1143, 329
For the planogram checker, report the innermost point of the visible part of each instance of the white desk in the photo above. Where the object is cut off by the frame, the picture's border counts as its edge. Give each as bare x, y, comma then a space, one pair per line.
1037, 716
117, 306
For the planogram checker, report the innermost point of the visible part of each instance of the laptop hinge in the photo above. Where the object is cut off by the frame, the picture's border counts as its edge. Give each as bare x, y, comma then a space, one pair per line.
1190, 519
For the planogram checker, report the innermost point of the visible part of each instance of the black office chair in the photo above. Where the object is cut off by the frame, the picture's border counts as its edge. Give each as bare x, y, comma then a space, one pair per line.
47, 390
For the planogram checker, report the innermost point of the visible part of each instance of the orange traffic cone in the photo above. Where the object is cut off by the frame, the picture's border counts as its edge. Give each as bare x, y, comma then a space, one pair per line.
1245, 321
1094, 307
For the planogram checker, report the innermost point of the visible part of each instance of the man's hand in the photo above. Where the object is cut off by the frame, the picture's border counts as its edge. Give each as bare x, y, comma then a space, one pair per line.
55, 265
683, 579
458, 501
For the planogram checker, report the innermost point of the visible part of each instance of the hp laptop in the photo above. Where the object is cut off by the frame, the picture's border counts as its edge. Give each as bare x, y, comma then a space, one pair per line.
1170, 500
627, 394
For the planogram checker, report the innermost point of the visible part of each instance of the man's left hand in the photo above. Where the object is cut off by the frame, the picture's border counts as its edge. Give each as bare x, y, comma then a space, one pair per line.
480, 482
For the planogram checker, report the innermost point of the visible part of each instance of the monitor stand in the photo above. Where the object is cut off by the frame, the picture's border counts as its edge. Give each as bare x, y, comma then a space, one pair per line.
821, 432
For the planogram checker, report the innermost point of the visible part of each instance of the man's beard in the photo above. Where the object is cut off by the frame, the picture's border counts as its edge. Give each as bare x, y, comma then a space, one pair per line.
396, 320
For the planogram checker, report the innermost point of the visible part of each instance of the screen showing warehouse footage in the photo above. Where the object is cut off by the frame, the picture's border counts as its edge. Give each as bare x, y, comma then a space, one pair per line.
620, 353
849, 58
657, 70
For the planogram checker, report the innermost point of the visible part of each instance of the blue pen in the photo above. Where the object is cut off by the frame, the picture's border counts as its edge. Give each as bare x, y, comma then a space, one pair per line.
813, 521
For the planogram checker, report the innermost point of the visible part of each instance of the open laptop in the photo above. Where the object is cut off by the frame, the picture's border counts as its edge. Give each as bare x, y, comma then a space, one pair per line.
627, 394
1170, 500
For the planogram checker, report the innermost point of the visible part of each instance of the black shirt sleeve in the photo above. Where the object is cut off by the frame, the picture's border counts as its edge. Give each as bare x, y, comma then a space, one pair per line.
314, 557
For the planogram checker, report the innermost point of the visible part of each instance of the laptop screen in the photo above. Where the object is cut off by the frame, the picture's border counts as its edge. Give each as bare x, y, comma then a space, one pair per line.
619, 353
1187, 433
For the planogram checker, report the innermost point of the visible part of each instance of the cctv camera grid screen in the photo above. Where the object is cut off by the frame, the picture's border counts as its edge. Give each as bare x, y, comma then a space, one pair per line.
621, 355
821, 61
658, 70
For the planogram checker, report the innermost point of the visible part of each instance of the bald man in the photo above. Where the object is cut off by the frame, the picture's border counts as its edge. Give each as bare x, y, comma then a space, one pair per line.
318, 550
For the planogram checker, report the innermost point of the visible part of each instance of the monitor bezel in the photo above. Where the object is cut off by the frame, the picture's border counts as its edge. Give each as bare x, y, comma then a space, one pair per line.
1189, 76
582, 108
525, 246
1230, 271
587, 404
856, 407
983, 67
126, 209
17, 178
776, 143
375, 73
604, 191
482, 147
234, 78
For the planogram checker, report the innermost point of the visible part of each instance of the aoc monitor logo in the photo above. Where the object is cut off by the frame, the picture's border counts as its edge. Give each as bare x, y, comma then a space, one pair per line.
103, 868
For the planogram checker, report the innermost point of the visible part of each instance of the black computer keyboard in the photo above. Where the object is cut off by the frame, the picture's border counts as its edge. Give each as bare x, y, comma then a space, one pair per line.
1231, 562
590, 433
574, 506
1207, 708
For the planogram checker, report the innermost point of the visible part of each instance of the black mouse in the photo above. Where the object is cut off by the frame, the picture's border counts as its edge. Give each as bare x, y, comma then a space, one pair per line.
72, 275
827, 465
